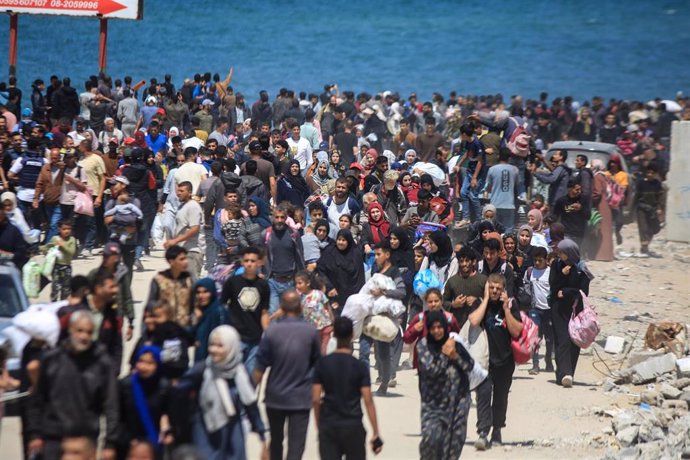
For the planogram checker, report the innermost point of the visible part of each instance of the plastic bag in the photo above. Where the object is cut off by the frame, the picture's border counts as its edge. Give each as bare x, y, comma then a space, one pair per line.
381, 328
478, 373
425, 280
157, 230
49, 262
583, 327
357, 307
431, 169
31, 278
83, 203
386, 305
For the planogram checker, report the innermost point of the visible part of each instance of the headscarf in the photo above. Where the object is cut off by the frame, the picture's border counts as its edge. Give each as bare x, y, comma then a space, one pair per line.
485, 225
381, 228
528, 229
140, 402
556, 233
344, 269
488, 207
210, 285
403, 256
140, 140
427, 179
436, 316
214, 398
445, 248
371, 164
319, 180
572, 252
9, 196
597, 166
538, 219
297, 183
263, 218
323, 223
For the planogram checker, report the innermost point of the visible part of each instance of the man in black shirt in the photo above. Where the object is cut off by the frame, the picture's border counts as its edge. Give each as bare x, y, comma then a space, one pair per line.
247, 298
347, 143
340, 381
573, 211
497, 308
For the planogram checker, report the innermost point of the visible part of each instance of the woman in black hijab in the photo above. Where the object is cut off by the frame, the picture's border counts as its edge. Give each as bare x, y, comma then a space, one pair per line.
342, 269
477, 243
292, 187
444, 390
442, 261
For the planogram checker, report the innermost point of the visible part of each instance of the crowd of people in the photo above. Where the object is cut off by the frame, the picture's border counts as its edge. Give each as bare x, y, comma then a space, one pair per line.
271, 217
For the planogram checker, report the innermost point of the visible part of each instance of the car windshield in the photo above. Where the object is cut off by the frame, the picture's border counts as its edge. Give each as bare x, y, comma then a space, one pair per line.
10, 300
591, 155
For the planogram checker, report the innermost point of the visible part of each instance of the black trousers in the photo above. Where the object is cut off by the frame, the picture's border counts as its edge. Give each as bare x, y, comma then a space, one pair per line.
567, 353
484, 412
297, 422
502, 379
336, 442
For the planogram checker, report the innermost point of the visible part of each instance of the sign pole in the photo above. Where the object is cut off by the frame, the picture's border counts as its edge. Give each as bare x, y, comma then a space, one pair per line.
14, 24
103, 46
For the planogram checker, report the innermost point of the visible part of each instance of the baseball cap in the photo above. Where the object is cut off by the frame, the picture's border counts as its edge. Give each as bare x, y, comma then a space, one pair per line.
160, 111
254, 146
27, 112
111, 249
356, 165
120, 179
323, 145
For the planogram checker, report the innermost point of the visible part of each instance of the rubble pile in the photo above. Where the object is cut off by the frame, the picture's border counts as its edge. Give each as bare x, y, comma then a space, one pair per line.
656, 382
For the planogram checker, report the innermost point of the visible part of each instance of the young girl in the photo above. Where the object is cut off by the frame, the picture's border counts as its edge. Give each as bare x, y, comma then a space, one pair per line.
315, 306
231, 225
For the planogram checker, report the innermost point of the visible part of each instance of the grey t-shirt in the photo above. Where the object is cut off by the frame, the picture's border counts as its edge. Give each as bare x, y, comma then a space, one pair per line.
188, 215
290, 347
502, 179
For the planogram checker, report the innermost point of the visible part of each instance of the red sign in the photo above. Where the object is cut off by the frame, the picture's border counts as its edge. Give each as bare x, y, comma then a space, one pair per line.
121, 9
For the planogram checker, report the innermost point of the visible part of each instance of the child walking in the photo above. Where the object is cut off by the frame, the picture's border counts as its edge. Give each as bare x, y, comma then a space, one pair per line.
315, 307
536, 281
62, 271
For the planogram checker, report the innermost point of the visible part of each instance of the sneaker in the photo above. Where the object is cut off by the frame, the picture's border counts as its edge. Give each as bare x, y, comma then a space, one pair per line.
138, 265
382, 391
496, 438
567, 381
463, 223
482, 443
88, 253
405, 365
534, 370
655, 255
642, 255
393, 383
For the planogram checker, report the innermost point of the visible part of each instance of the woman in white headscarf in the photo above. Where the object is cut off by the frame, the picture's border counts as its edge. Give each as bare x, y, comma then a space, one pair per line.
16, 218
224, 392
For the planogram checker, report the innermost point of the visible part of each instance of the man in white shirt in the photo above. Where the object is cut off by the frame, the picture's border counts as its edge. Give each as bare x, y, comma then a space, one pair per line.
300, 148
191, 171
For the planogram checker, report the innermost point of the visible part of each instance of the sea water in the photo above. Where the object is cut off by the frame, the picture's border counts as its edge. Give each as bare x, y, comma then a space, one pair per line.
633, 50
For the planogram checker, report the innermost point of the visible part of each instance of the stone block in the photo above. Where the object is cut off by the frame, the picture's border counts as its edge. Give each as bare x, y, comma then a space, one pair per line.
683, 367
614, 344
639, 356
651, 397
628, 436
652, 368
669, 392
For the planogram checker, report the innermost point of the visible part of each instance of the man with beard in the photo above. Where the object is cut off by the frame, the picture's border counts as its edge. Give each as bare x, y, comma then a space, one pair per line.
76, 387
340, 203
462, 295
284, 256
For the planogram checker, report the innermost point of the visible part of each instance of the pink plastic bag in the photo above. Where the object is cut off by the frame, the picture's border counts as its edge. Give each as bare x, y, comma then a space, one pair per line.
528, 342
83, 203
583, 328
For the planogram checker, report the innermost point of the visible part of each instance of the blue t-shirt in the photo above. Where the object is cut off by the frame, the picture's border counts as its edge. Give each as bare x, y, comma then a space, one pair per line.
475, 153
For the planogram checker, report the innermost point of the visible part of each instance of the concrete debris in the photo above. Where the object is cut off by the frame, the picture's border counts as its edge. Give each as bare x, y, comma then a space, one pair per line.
683, 367
638, 356
669, 391
651, 397
627, 436
614, 344
681, 383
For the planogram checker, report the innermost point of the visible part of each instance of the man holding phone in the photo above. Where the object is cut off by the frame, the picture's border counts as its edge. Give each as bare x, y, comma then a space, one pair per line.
340, 381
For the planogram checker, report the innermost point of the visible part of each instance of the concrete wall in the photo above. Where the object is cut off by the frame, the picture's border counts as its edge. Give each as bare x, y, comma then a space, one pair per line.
678, 182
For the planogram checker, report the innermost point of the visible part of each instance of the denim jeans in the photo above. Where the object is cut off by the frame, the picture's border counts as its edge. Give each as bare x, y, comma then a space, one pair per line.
542, 318
211, 249
277, 288
387, 355
249, 352
471, 207
507, 218
144, 234
54, 215
520, 164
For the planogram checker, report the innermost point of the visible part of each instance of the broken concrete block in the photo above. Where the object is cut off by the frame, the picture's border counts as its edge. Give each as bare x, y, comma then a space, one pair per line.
669, 392
649, 370
649, 432
683, 367
651, 397
628, 436
681, 383
614, 344
639, 356
675, 404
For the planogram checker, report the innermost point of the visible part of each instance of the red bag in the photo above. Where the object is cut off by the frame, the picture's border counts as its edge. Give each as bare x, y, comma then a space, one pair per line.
527, 343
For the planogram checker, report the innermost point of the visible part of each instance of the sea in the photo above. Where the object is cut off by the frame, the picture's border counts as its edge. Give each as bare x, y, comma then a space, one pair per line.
633, 49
